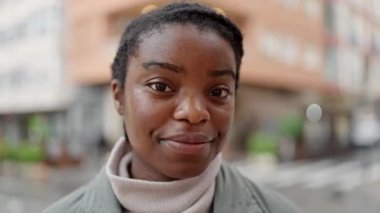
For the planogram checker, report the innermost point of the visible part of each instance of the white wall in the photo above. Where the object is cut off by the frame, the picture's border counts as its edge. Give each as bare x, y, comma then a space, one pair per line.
31, 69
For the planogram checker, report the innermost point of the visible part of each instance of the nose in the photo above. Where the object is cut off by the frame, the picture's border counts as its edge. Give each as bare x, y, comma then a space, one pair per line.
192, 110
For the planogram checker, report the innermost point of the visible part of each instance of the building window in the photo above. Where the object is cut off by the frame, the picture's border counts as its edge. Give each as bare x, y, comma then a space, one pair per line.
342, 18
331, 64
312, 8
376, 8
376, 41
350, 69
279, 47
330, 17
268, 44
290, 50
373, 77
311, 58
291, 3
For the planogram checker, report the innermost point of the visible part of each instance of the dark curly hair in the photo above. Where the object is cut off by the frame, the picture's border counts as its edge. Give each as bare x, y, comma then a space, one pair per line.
196, 14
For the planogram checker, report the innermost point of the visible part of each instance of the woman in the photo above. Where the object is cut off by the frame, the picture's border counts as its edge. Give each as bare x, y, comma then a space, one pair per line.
175, 77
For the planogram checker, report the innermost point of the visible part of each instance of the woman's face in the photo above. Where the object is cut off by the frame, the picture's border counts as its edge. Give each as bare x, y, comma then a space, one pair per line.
178, 101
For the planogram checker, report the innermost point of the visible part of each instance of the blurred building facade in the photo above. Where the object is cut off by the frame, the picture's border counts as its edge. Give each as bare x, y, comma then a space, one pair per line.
282, 68
352, 61
297, 52
34, 90
353, 46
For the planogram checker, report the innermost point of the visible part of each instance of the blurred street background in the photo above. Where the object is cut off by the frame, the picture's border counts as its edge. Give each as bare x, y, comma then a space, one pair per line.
308, 107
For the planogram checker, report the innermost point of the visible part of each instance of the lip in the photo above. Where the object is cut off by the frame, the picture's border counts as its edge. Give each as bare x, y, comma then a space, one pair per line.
189, 138
194, 143
186, 148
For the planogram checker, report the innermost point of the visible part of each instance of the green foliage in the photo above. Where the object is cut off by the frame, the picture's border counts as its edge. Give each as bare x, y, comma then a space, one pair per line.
262, 143
38, 126
291, 126
29, 153
22, 153
2, 151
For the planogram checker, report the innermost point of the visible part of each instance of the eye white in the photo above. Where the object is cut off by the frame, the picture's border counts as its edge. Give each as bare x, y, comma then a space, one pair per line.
156, 85
223, 92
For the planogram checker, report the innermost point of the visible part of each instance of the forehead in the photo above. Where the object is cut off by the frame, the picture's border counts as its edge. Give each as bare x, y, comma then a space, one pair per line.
177, 41
180, 31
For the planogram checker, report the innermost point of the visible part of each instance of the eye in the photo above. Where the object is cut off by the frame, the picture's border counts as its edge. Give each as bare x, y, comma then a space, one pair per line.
160, 87
220, 92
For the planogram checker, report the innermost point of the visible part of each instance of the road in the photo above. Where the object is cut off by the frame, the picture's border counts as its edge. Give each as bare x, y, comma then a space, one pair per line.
344, 185
341, 185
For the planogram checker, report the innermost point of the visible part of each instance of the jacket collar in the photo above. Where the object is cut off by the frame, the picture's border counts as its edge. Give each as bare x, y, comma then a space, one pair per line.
233, 193
99, 196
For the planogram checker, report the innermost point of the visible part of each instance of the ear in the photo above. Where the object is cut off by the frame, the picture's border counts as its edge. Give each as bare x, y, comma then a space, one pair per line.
117, 96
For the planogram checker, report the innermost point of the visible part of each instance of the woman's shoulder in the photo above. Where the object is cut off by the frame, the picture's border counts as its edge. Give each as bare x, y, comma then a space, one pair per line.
96, 196
234, 190
70, 203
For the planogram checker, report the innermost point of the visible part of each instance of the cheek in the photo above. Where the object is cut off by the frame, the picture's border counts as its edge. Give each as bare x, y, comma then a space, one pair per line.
139, 105
143, 113
138, 109
223, 118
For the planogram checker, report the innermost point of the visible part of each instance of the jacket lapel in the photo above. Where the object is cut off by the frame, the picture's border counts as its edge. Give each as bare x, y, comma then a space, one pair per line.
233, 194
99, 197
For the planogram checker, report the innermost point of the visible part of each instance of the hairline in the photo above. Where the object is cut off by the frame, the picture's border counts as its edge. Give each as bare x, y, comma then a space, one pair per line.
148, 32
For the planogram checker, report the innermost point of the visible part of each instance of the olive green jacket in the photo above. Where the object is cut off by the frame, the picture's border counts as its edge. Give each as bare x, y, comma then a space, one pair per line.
233, 193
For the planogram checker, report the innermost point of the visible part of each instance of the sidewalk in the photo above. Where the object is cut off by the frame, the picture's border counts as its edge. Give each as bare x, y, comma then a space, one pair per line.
24, 191
19, 194
365, 199
348, 185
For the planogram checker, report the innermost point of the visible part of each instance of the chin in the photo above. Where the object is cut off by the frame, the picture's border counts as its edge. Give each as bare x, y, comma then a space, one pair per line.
186, 171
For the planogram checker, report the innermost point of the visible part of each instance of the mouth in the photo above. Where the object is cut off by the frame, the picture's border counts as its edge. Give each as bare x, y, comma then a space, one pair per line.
190, 144
190, 138
186, 148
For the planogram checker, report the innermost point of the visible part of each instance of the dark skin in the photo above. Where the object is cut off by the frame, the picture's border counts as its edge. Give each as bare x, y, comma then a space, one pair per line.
178, 102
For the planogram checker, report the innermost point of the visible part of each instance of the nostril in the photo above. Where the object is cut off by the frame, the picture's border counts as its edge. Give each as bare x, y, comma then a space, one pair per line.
192, 112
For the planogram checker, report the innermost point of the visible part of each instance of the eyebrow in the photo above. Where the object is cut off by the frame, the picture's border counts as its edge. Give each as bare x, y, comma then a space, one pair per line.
224, 72
163, 65
179, 69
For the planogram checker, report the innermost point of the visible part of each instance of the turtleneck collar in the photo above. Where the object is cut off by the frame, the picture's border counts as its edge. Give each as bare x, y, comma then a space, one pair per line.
187, 195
